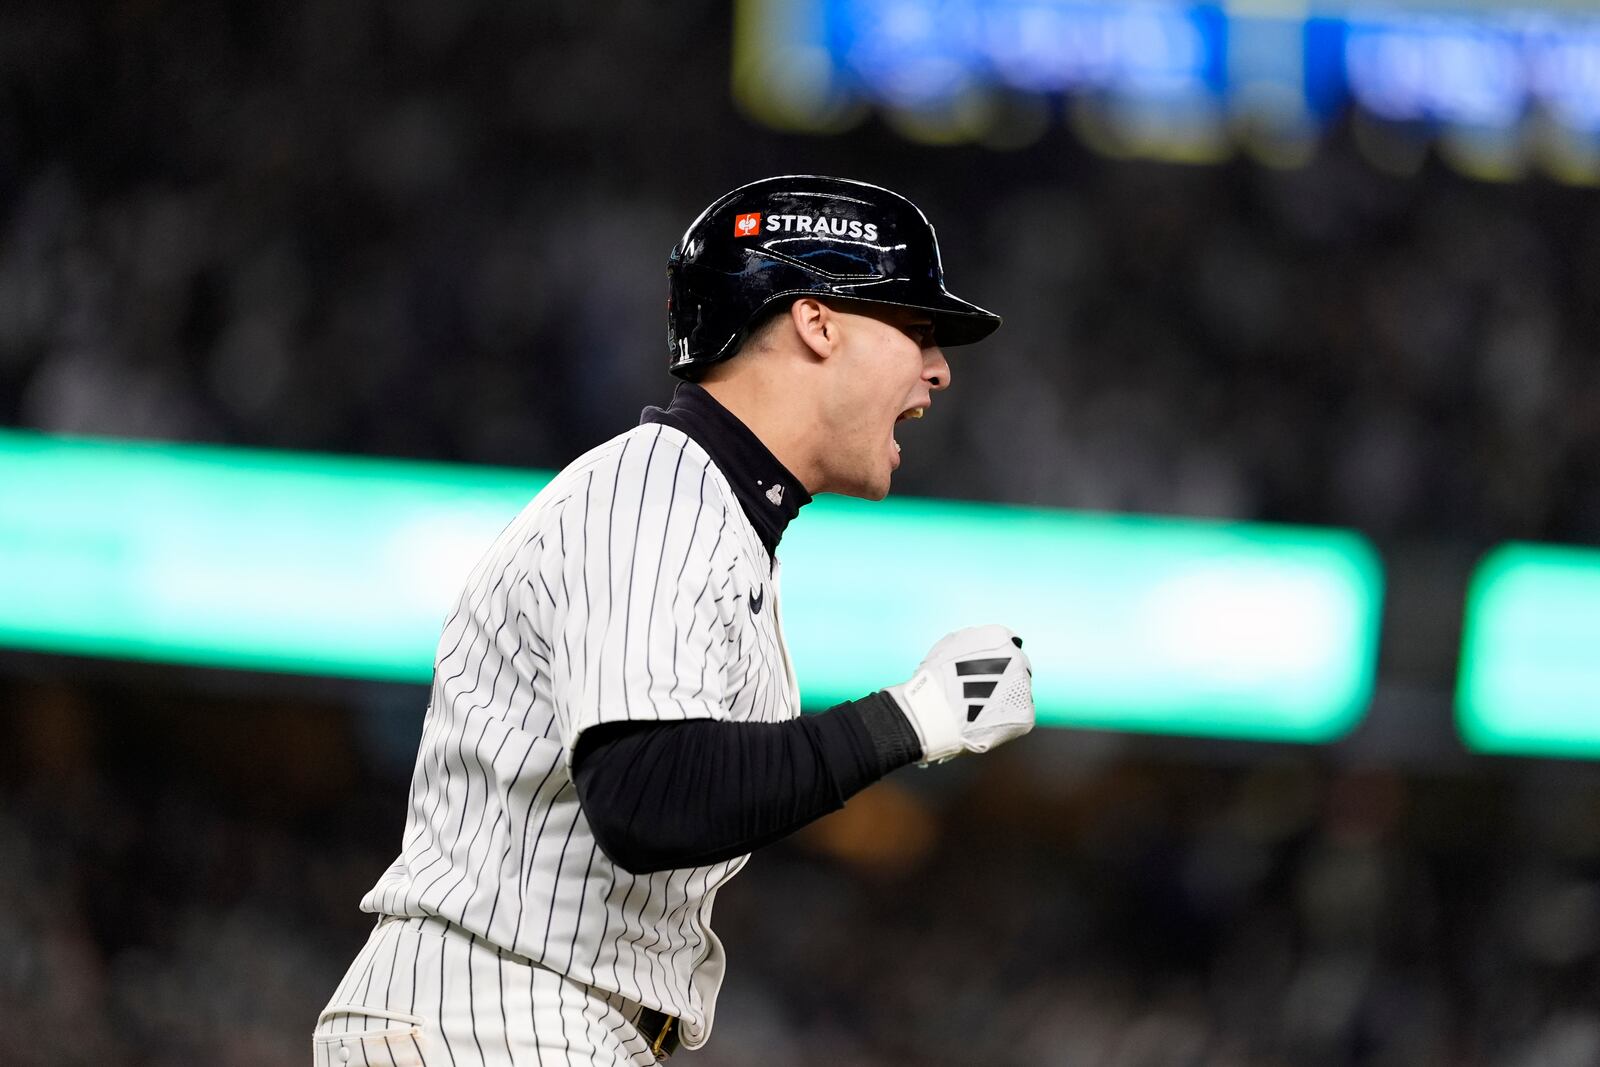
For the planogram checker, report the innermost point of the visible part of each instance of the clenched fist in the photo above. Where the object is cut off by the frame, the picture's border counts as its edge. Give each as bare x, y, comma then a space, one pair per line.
973, 691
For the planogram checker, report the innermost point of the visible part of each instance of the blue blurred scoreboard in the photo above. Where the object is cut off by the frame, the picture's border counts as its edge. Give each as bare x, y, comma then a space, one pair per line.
1498, 87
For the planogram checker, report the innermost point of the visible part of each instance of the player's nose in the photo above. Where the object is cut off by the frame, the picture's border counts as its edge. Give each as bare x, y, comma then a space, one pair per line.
935, 368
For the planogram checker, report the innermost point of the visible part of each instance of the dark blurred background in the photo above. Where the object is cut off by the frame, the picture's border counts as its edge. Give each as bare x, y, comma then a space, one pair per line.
438, 229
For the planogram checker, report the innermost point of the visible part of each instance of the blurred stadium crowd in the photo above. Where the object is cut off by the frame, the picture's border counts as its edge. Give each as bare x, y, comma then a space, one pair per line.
180, 877
438, 229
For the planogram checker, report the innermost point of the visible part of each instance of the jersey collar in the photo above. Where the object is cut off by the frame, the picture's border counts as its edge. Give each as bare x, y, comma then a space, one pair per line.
769, 494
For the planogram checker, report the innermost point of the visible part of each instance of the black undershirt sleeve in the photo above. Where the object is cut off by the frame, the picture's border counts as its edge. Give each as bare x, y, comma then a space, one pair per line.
664, 795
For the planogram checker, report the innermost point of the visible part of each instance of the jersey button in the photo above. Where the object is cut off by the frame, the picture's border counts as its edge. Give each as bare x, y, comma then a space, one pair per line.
344, 1053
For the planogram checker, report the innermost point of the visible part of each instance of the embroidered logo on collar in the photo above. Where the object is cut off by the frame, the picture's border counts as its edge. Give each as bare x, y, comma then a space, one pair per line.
775, 494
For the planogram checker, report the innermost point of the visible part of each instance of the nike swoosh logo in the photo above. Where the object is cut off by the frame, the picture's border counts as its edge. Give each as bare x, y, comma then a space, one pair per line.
755, 601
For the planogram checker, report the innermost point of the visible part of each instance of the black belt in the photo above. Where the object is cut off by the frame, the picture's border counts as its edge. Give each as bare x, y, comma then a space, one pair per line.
660, 1030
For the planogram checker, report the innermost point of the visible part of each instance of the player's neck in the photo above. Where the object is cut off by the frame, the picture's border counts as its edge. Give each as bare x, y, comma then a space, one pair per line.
765, 406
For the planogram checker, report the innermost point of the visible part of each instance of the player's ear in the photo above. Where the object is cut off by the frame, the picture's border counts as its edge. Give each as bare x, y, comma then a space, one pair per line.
816, 324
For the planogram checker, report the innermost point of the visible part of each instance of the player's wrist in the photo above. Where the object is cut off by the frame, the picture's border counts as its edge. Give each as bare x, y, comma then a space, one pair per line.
887, 728
929, 712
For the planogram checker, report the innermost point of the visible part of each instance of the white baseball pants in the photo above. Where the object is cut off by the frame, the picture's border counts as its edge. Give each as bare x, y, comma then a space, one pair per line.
423, 991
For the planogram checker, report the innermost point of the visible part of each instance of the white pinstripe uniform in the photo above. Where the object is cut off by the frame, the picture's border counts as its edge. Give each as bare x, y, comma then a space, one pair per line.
630, 588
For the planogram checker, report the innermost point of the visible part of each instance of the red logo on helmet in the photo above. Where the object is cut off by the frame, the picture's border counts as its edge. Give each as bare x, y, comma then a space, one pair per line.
747, 225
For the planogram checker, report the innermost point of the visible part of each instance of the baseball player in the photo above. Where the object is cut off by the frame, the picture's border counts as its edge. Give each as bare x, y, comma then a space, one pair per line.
615, 722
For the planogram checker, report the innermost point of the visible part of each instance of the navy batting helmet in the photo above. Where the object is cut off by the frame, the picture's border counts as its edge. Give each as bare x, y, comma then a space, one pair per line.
800, 235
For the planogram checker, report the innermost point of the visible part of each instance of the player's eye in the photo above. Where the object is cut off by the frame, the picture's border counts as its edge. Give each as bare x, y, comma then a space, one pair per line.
922, 333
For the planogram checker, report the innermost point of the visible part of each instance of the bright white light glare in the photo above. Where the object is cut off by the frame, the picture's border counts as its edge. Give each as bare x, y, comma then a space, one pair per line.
1238, 624
436, 553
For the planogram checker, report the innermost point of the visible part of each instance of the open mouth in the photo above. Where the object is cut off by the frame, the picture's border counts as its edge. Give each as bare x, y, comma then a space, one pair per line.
908, 413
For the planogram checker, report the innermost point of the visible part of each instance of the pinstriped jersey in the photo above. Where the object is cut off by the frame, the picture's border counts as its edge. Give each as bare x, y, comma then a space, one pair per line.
630, 588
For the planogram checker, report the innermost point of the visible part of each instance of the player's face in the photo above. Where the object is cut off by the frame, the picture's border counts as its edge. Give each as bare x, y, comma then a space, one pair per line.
888, 370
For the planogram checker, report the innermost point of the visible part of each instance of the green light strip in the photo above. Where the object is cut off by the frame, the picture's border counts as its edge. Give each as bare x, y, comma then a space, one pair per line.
1530, 661
346, 566
1146, 624
239, 558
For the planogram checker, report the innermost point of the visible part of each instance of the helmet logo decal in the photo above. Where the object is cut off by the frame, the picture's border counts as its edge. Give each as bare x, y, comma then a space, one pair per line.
822, 226
747, 225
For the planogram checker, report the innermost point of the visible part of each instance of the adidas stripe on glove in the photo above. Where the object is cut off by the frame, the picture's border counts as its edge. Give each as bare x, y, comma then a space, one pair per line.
973, 691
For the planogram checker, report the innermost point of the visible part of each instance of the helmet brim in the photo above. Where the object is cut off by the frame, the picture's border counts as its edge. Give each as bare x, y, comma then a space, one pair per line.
958, 322
955, 321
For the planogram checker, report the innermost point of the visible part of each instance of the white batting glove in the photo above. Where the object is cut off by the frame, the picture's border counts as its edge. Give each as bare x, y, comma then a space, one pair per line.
973, 691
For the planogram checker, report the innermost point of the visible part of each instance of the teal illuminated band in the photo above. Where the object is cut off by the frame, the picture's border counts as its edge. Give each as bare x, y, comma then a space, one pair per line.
347, 566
